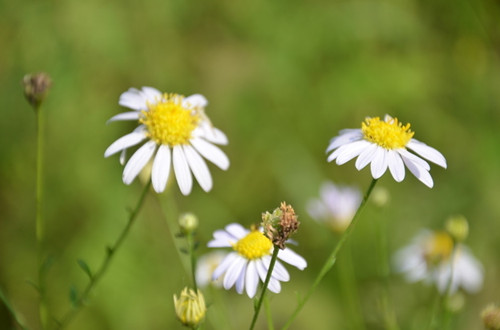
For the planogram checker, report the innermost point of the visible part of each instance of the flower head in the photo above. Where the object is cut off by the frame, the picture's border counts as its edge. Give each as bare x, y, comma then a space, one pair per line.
280, 225
190, 307
36, 87
250, 259
177, 132
385, 144
336, 205
491, 317
205, 267
432, 257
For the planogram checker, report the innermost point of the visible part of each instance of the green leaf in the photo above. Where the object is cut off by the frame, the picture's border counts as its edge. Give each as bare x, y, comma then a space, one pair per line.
73, 296
83, 265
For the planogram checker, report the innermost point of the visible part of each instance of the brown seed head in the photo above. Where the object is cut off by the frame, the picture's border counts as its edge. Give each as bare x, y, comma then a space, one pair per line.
280, 225
491, 317
36, 87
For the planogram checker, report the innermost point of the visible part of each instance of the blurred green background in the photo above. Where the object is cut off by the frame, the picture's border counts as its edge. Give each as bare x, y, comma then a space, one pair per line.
282, 78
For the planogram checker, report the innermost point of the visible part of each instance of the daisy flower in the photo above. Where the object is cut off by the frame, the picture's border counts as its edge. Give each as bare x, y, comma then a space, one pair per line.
430, 258
385, 144
177, 132
336, 205
250, 259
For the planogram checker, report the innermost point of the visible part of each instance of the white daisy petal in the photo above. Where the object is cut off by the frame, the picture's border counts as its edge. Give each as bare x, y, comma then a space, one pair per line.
194, 101
261, 269
198, 167
353, 151
292, 258
414, 158
151, 94
233, 272
181, 170
125, 142
161, 168
211, 152
345, 137
379, 163
251, 279
137, 162
274, 285
240, 282
279, 271
131, 115
419, 172
427, 152
236, 230
133, 99
396, 165
366, 156
222, 239
123, 157
228, 261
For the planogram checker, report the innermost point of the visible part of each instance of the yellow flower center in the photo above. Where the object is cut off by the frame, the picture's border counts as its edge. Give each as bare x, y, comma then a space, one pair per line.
253, 246
168, 122
389, 135
438, 247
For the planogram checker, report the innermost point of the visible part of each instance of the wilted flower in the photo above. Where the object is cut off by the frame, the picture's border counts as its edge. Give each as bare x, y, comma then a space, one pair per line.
280, 225
336, 205
384, 144
36, 87
491, 317
190, 307
250, 259
177, 132
432, 257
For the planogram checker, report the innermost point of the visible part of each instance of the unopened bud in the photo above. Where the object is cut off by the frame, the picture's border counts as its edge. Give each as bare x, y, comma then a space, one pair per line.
190, 307
36, 87
457, 227
188, 223
380, 196
491, 317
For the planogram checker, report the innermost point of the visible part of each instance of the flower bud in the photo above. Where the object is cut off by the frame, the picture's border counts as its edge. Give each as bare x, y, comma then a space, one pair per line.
457, 227
190, 307
491, 317
188, 223
380, 196
36, 87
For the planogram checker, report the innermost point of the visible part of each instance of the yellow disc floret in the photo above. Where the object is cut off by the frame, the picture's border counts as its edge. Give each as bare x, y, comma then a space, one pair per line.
253, 246
438, 247
389, 135
168, 122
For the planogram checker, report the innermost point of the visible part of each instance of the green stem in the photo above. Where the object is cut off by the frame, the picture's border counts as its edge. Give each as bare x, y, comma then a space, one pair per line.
269, 315
110, 252
9, 307
330, 261
266, 283
192, 258
39, 224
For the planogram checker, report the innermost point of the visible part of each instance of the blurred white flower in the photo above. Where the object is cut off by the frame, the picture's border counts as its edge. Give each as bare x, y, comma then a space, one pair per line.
336, 205
205, 267
177, 132
430, 258
384, 144
250, 260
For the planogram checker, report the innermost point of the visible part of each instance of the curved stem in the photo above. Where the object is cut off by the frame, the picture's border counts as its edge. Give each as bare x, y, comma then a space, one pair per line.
192, 258
330, 261
266, 283
110, 252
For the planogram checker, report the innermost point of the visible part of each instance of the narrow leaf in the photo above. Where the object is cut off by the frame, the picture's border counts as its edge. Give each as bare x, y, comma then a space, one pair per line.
83, 265
73, 296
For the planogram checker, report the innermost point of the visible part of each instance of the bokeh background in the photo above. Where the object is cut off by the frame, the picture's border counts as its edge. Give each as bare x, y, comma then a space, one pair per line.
282, 78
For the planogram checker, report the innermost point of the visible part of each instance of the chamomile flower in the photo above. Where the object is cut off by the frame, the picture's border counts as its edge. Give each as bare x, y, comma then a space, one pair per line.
432, 258
336, 205
250, 259
384, 144
205, 267
177, 132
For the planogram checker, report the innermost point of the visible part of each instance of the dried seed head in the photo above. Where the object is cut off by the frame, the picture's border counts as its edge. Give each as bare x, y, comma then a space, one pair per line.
36, 87
280, 225
491, 317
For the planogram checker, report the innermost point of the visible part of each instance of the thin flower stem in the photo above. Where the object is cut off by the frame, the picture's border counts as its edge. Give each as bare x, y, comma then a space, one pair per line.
269, 315
330, 261
192, 258
40, 226
266, 283
110, 252
9, 307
